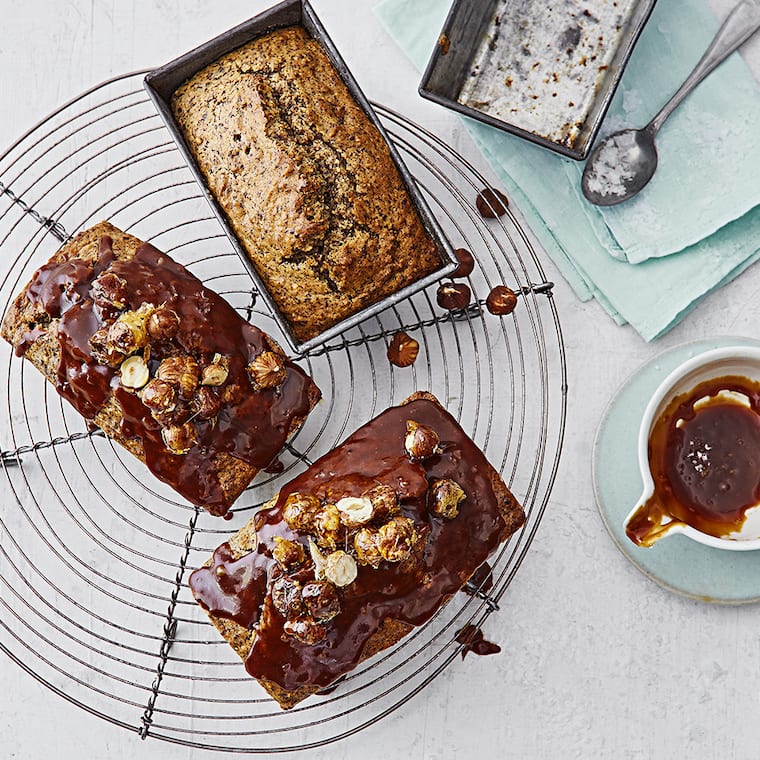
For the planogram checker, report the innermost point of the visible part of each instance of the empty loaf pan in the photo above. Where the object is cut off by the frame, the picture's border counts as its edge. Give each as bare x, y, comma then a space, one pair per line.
163, 82
545, 71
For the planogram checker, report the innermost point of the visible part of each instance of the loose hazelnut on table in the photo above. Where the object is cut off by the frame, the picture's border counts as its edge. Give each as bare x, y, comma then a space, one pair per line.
491, 203
288, 554
453, 296
466, 264
321, 600
445, 497
403, 350
267, 370
179, 439
421, 442
501, 300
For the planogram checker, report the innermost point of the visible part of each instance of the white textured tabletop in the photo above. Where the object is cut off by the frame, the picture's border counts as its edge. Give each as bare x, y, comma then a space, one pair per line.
597, 661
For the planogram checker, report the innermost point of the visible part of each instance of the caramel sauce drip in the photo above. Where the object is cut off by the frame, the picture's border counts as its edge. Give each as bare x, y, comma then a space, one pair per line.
251, 426
394, 591
705, 462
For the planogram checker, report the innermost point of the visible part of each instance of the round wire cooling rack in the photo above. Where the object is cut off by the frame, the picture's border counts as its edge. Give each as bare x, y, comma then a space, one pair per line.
94, 553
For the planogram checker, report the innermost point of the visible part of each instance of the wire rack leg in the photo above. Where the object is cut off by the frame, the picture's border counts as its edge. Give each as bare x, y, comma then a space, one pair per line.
170, 628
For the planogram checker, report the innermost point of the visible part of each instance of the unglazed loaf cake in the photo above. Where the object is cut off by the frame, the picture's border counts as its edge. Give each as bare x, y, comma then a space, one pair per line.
160, 363
304, 178
358, 550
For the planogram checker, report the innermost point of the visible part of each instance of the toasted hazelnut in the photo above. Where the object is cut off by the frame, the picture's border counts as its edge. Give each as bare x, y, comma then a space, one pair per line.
206, 403
340, 568
403, 350
182, 372
163, 324
328, 526
321, 600
318, 559
128, 333
421, 442
159, 396
366, 547
286, 596
267, 370
355, 511
466, 263
306, 631
453, 296
501, 300
134, 372
216, 373
179, 439
384, 501
445, 497
101, 352
300, 511
108, 289
396, 538
288, 554
491, 203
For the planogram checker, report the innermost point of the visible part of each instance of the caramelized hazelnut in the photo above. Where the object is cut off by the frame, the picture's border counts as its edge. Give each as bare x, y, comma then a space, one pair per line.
306, 631
179, 439
396, 538
328, 526
321, 600
300, 511
128, 333
501, 300
286, 596
101, 351
366, 547
159, 396
108, 289
421, 442
445, 497
288, 554
340, 568
491, 203
403, 350
355, 511
134, 372
163, 324
182, 372
267, 370
216, 373
206, 403
453, 296
466, 263
384, 501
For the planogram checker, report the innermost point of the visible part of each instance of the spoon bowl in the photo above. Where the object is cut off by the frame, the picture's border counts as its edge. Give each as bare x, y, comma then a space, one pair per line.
620, 166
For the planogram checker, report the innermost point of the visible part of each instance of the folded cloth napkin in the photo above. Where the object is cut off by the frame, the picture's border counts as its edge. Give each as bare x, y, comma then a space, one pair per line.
693, 229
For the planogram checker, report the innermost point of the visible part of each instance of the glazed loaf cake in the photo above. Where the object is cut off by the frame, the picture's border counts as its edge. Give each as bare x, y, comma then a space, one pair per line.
354, 553
160, 363
304, 178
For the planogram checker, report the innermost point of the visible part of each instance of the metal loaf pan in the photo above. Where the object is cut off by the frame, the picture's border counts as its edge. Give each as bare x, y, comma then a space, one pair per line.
162, 83
541, 43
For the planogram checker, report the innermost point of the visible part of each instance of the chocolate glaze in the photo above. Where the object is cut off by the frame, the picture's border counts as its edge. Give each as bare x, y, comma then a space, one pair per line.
410, 592
705, 461
251, 426
474, 641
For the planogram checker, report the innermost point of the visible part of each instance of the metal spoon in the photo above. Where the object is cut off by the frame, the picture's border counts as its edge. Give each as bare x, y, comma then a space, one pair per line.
624, 162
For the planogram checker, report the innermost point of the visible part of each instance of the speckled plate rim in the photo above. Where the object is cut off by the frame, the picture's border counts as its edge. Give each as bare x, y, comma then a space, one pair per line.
676, 563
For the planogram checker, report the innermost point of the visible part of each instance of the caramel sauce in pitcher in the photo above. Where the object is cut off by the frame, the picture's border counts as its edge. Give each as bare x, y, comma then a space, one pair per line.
704, 456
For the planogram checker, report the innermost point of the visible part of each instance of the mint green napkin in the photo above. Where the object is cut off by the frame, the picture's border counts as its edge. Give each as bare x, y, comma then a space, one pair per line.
709, 225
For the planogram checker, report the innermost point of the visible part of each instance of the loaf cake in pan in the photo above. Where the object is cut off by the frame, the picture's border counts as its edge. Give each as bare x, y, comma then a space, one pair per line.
160, 363
355, 552
305, 180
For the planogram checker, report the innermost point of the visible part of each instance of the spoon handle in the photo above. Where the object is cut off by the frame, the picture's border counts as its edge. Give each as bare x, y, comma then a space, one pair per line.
739, 26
